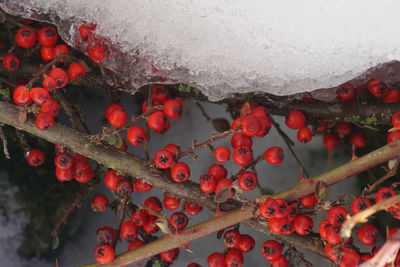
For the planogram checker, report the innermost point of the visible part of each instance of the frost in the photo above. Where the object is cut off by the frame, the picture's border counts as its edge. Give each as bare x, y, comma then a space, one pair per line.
223, 47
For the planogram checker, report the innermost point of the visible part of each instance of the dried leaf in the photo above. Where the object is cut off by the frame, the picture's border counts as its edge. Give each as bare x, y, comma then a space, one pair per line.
320, 190
112, 139
393, 163
220, 124
55, 243
223, 195
266, 191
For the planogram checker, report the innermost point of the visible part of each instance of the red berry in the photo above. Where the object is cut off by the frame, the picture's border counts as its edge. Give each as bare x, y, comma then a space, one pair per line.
271, 250
304, 135
47, 53
47, 36
174, 149
76, 72
11, 62
129, 231
295, 119
97, 52
269, 208
283, 208
247, 180
242, 155
231, 238
135, 244
99, 202
164, 159
368, 234
106, 235
343, 128
35, 157
293, 210
222, 154
60, 76
140, 217
377, 88
359, 204
25, 37
44, 120
192, 208
393, 136
392, 96
160, 93
51, 107
303, 224
111, 108
60, 50
330, 141
322, 228
322, 125
330, 252
337, 215
49, 83
64, 175
333, 234
358, 139
171, 202
208, 183
124, 187
251, 125
309, 200
104, 254
173, 108
396, 119
63, 161
180, 172
178, 220
21, 96
86, 30
117, 118
157, 121
39, 95
280, 262
216, 260
154, 204
234, 258
345, 92
274, 155
136, 135
225, 184
349, 259
170, 255
246, 243
141, 186
111, 180
239, 139
151, 226
218, 171
367, 257
384, 193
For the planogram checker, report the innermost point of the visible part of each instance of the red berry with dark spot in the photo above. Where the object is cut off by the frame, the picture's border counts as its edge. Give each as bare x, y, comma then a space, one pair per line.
173, 108
164, 159
129, 231
160, 93
295, 119
60, 76
218, 171
234, 258
76, 72
170, 255
283, 208
271, 250
25, 37
180, 172
111, 180
140, 217
222, 154
359, 204
377, 88
39, 95
106, 235
242, 155
247, 180
246, 243
49, 83
63, 161
154, 204
21, 96
171, 202
135, 244
304, 135
11, 62
330, 141
269, 208
192, 208
136, 135
47, 36
216, 260
274, 155
178, 220
358, 139
393, 136
44, 120
231, 238
51, 107
35, 157
384, 193
337, 215
99, 202
251, 125
368, 234
345, 92
151, 226
239, 139
124, 187
303, 224
104, 254
208, 183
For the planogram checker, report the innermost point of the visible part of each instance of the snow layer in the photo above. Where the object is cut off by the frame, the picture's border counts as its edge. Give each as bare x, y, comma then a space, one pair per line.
279, 47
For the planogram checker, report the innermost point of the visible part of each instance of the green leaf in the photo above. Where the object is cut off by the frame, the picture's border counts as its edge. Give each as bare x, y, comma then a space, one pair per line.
220, 124
320, 190
266, 191
55, 243
118, 142
349, 198
112, 139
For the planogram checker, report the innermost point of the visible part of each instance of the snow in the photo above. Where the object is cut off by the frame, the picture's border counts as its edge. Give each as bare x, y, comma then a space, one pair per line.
223, 47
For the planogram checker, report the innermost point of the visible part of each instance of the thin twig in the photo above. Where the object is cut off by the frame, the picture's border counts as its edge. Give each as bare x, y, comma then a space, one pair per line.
203, 112
141, 116
22, 141
5, 145
252, 165
390, 173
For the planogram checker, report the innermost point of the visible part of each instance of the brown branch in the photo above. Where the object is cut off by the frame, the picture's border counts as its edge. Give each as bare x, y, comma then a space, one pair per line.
363, 216
390, 173
5, 145
133, 166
